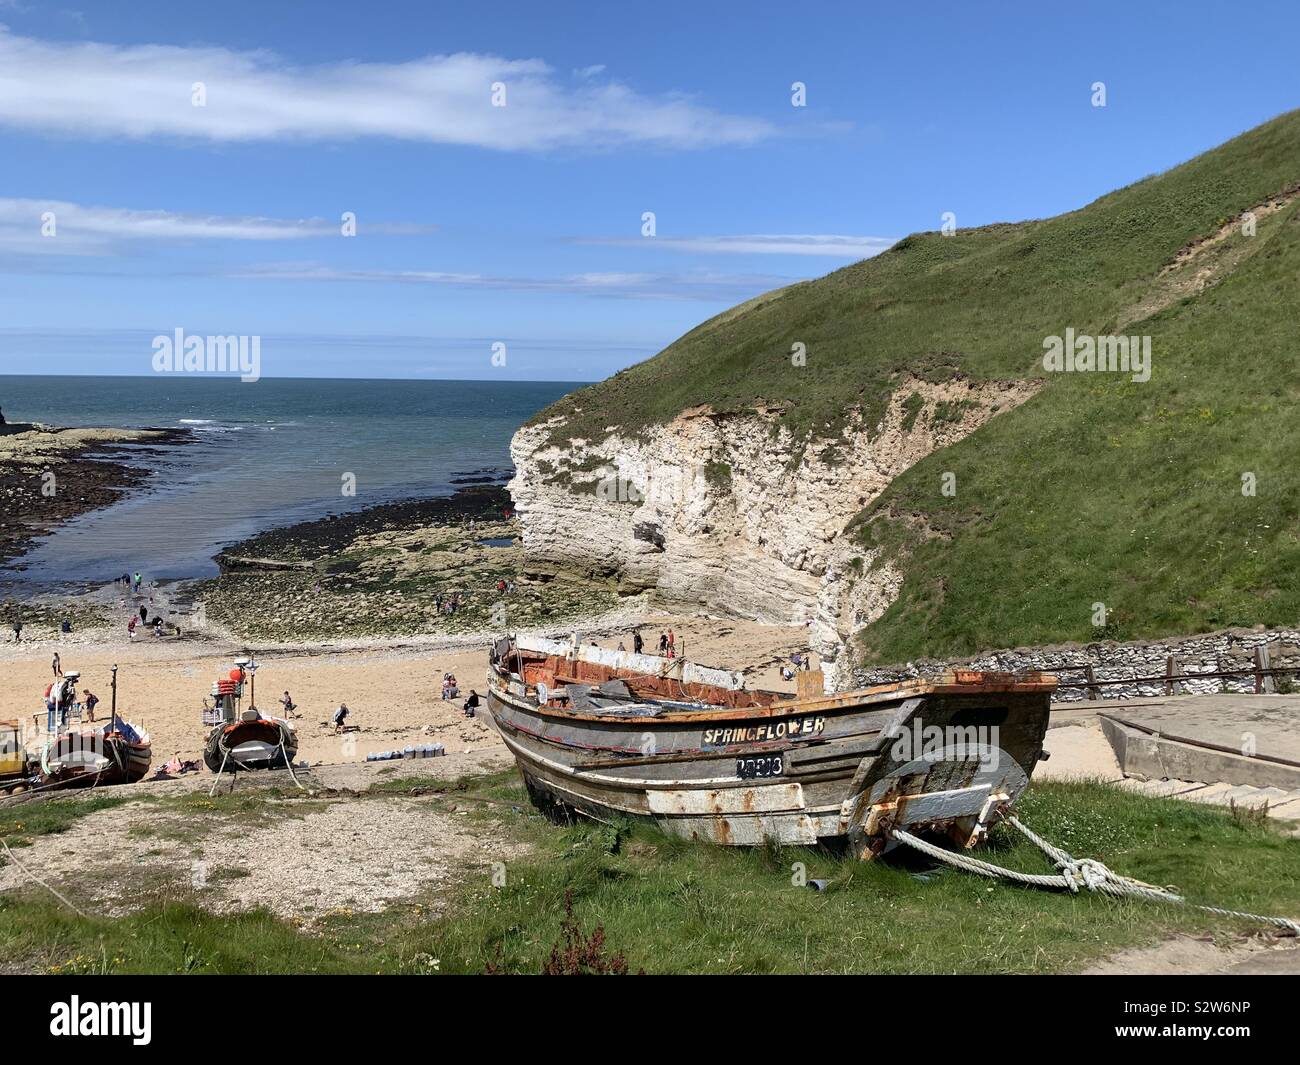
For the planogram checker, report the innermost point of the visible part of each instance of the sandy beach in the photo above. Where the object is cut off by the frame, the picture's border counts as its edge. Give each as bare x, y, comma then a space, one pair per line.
369, 608
392, 688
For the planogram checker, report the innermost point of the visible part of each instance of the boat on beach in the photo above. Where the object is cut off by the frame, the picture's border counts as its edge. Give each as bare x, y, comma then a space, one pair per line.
604, 733
114, 753
73, 756
244, 738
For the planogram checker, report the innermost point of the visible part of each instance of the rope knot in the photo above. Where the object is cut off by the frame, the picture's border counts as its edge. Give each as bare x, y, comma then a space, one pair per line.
1094, 873
1071, 874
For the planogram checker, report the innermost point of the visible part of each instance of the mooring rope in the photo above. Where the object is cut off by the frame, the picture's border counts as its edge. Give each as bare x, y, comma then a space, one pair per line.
288, 763
38, 880
225, 754
1075, 874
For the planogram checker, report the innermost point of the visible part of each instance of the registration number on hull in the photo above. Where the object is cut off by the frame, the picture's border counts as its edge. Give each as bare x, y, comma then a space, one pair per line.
767, 765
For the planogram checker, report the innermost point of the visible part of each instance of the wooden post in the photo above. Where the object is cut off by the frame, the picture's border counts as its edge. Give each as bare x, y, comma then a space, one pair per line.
810, 684
1094, 692
1173, 670
1263, 679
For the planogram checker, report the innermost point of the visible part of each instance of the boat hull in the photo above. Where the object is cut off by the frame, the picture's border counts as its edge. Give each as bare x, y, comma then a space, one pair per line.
85, 759
846, 767
263, 743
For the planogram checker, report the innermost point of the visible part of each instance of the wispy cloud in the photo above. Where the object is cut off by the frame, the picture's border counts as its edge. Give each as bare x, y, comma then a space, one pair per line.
58, 227
703, 286
109, 90
832, 245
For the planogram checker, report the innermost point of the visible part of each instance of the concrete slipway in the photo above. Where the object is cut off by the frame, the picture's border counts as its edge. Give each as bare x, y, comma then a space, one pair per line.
1221, 749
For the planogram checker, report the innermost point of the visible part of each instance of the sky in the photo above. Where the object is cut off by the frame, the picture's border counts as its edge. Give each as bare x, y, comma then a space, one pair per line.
173, 166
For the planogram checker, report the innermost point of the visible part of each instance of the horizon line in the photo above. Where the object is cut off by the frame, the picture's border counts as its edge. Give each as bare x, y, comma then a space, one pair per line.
296, 377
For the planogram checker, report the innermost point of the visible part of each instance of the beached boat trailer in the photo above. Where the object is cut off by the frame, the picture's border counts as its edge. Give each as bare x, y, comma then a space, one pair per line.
606, 733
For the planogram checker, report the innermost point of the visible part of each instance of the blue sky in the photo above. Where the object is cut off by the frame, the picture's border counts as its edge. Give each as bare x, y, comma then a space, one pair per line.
522, 224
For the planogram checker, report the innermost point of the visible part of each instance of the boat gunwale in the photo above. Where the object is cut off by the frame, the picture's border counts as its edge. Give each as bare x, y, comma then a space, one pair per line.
946, 684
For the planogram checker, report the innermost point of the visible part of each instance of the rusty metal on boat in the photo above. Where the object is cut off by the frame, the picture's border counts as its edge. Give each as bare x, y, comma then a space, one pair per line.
606, 733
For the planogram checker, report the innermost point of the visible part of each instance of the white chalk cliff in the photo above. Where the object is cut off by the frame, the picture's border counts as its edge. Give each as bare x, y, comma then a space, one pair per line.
724, 513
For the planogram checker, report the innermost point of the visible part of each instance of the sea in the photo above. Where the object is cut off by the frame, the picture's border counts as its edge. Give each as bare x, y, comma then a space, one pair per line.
265, 454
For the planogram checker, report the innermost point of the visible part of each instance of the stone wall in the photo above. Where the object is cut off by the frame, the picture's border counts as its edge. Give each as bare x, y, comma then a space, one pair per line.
1216, 652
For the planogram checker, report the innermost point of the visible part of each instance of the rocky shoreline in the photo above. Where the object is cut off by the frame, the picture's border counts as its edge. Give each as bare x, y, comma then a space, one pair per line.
447, 565
48, 476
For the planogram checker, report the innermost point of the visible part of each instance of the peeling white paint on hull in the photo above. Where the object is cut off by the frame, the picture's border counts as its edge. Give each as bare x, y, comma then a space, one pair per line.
719, 763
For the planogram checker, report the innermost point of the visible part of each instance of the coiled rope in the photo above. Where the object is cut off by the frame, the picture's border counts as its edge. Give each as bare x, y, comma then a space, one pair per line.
1075, 874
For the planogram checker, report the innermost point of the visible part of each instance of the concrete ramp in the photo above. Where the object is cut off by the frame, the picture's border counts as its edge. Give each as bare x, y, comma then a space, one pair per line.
1242, 740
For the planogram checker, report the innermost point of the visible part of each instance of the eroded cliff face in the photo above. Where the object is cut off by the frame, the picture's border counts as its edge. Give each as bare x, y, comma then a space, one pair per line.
726, 513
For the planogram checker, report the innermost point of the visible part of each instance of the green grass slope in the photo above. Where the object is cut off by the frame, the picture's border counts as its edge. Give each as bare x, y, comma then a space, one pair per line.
1100, 489
666, 905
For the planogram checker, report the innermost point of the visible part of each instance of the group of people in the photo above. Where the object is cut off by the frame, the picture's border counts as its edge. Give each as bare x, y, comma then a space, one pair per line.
155, 626
451, 690
65, 626
448, 604
57, 713
131, 580
667, 644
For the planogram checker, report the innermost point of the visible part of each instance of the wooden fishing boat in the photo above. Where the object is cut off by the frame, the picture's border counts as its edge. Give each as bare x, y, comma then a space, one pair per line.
605, 733
115, 753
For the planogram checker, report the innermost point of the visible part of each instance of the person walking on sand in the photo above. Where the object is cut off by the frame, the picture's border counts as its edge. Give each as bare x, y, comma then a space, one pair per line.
18, 630
672, 642
89, 700
289, 707
135, 584
637, 642
57, 665
130, 626
663, 644
340, 716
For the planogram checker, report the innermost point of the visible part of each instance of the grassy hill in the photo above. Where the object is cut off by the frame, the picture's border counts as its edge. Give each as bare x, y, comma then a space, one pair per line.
1098, 490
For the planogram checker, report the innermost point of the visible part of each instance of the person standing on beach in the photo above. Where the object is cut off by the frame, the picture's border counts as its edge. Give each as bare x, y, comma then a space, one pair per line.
340, 716
57, 665
18, 630
136, 583
637, 642
663, 644
89, 700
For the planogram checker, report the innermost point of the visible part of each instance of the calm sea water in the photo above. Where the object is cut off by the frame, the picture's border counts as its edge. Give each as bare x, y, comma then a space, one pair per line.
265, 454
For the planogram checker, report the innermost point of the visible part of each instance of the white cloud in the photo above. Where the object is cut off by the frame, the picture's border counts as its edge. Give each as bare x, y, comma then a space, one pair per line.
704, 286
90, 230
108, 90
841, 247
